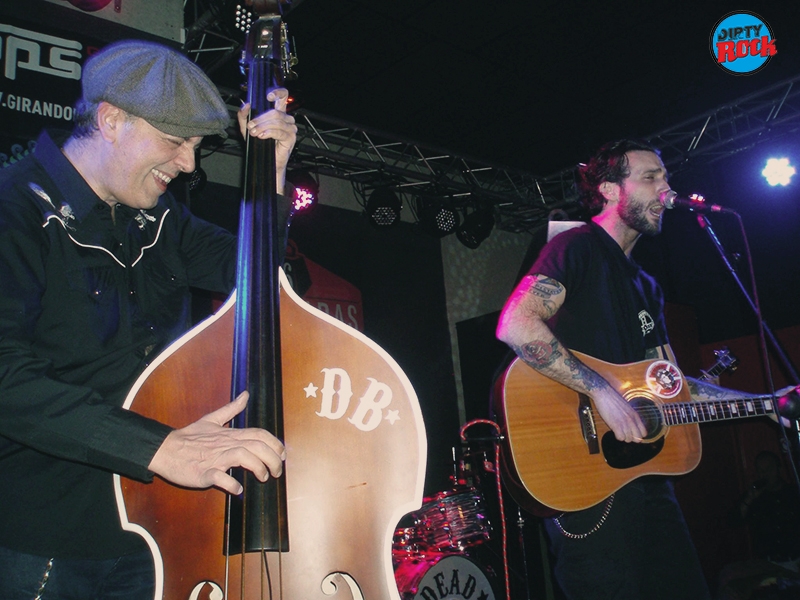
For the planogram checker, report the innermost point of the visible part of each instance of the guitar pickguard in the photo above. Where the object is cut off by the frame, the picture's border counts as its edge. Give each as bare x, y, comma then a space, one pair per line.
624, 455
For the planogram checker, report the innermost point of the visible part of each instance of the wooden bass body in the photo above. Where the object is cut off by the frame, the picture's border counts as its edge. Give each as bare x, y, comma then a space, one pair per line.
344, 498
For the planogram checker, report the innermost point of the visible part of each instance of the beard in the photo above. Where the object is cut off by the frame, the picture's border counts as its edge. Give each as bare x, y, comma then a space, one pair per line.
635, 215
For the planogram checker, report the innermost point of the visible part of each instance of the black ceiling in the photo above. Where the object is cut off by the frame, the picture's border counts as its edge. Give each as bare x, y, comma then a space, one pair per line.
539, 85
536, 85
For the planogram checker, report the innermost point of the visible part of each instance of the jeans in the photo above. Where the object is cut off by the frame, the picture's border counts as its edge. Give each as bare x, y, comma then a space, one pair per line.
643, 549
28, 577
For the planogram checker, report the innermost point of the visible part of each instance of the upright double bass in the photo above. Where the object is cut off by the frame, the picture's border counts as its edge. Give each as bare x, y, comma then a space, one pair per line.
347, 414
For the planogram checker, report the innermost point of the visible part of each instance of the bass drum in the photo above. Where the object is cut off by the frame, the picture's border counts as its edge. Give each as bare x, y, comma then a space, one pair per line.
449, 578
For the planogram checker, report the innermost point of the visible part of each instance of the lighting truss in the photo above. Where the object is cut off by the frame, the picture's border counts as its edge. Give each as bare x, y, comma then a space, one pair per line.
369, 158
732, 127
522, 200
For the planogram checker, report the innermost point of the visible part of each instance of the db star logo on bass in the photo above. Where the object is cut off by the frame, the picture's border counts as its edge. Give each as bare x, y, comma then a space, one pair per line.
337, 392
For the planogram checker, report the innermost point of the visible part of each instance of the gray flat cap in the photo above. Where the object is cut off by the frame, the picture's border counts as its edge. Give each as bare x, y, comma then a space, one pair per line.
158, 84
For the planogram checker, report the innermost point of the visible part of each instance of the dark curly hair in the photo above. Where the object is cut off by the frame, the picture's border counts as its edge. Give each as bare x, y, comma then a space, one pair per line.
610, 163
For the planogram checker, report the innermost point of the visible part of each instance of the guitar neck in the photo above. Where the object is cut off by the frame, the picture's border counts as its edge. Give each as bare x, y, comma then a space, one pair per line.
725, 361
705, 411
714, 371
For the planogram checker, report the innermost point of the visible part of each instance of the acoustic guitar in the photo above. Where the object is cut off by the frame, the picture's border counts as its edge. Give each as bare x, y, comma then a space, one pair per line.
560, 456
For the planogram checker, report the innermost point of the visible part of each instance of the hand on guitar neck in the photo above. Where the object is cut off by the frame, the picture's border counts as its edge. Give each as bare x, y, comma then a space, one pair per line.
200, 455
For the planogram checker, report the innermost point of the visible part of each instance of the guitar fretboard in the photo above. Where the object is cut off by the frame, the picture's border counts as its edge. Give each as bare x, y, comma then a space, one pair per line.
702, 411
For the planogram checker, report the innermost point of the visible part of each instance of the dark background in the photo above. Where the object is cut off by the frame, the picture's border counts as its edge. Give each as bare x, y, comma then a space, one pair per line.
535, 85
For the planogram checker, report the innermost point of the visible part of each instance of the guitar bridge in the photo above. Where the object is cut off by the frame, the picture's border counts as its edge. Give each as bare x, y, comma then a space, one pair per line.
588, 428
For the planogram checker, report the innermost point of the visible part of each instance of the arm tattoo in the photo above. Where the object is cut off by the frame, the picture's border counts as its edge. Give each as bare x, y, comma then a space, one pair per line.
539, 354
545, 288
703, 389
542, 356
580, 372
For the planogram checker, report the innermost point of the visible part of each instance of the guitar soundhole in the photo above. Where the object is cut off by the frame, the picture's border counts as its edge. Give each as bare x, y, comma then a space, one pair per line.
649, 414
623, 455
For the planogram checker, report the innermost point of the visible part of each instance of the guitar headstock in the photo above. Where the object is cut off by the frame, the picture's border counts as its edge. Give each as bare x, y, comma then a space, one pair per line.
726, 361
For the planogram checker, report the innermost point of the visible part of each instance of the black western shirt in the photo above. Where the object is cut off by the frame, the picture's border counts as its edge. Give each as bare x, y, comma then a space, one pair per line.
88, 295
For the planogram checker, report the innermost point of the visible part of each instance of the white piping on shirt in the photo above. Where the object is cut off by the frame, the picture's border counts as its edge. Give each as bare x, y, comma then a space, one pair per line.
57, 218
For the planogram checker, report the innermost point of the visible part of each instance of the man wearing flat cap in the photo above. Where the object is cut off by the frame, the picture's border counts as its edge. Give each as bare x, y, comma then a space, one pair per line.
96, 262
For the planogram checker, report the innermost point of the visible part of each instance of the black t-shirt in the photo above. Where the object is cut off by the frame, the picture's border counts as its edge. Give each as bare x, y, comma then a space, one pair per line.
613, 310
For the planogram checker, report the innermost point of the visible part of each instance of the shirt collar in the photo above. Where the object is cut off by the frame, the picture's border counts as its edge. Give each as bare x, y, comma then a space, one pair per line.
613, 247
72, 187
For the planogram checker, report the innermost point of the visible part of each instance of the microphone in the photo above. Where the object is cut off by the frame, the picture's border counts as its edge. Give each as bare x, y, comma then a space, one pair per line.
695, 202
789, 405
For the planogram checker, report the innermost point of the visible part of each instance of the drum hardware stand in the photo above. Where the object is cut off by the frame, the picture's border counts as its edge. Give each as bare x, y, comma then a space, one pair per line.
504, 532
523, 552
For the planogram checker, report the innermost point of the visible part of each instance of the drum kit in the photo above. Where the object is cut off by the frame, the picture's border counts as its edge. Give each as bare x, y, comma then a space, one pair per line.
433, 552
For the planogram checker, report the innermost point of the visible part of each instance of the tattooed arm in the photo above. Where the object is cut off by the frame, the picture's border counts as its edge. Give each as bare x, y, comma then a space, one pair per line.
522, 326
705, 390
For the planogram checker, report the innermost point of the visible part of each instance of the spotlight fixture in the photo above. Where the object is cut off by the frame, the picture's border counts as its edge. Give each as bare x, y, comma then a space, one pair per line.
91, 5
243, 19
306, 190
383, 208
437, 216
477, 226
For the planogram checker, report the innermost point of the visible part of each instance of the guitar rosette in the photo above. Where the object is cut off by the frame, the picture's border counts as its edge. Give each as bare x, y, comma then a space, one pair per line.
664, 379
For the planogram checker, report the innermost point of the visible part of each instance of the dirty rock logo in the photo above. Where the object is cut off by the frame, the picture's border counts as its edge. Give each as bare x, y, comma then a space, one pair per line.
742, 43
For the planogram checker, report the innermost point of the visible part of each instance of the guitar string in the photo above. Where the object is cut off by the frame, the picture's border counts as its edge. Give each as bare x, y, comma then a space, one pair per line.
652, 409
657, 411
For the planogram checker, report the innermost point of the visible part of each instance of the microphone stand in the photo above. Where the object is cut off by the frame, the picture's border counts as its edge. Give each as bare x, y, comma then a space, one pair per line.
764, 329
706, 225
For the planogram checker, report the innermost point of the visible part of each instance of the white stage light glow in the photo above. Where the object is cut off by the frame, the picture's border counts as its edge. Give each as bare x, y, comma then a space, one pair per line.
778, 171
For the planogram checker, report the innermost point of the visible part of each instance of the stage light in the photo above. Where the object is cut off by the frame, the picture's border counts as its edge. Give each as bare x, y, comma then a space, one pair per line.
437, 217
306, 190
778, 171
477, 226
383, 208
243, 19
